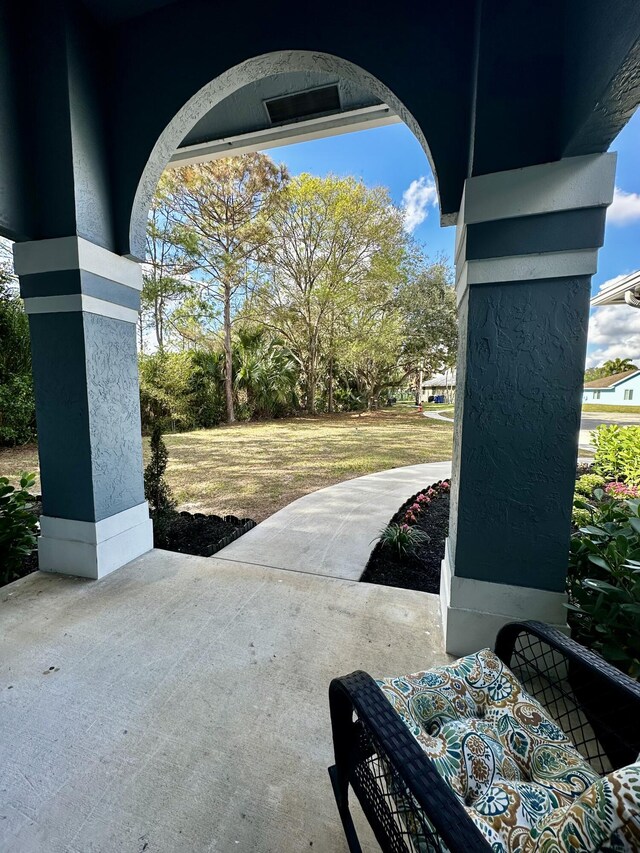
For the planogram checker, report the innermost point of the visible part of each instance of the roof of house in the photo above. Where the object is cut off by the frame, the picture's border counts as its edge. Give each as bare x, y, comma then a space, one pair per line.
612, 292
448, 378
610, 381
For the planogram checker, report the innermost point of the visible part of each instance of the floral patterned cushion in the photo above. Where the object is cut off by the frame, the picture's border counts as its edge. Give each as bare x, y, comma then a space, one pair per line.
605, 818
508, 762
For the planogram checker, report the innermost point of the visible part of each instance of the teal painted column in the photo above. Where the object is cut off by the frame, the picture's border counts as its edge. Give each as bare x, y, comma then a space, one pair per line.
82, 302
526, 248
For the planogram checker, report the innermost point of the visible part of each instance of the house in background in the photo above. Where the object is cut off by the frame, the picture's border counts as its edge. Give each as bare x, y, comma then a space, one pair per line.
621, 389
440, 385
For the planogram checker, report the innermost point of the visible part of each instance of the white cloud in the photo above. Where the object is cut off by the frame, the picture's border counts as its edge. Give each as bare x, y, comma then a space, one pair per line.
415, 200
625, 208
614, 332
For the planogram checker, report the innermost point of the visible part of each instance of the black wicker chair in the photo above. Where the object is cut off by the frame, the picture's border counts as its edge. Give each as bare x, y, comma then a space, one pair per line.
402, 794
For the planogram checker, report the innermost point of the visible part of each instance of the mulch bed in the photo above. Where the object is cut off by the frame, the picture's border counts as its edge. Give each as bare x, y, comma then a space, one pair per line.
188, 533
203, 535
419, 569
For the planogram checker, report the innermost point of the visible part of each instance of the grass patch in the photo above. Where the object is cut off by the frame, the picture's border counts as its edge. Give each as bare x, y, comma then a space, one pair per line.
253, 469
622, 410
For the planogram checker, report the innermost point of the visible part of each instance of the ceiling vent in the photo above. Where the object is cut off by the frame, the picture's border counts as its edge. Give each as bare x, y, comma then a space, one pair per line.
313, 102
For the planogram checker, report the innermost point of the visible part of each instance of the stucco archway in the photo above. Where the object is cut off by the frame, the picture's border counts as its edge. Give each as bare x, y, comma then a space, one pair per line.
233, 80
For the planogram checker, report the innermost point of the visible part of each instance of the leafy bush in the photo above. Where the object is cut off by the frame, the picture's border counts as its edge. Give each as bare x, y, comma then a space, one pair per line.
17, 410
18, 527
617, 454
156, 489
580, 517
402, 537
604, 581
586, 484
17, 406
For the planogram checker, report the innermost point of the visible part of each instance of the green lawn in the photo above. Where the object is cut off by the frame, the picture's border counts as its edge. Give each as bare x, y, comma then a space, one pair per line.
598, 407
254, 469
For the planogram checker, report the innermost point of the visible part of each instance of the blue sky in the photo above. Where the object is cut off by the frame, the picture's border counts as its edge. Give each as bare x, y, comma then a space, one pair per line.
391, 156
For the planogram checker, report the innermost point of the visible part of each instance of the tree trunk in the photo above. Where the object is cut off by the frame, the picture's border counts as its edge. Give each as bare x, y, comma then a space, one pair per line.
311, 392
330, 400
228, 356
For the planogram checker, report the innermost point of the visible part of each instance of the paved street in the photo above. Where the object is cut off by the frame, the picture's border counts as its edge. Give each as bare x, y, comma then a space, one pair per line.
590, 420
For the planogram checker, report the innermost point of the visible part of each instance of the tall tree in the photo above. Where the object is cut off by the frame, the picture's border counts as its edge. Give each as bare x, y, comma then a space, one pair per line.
224, 209
330, 235
395, 330
428, 300
166, 282
618, 365
609, 368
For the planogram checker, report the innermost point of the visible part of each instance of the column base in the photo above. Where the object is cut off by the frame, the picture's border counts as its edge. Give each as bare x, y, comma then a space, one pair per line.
94, 549
473, 611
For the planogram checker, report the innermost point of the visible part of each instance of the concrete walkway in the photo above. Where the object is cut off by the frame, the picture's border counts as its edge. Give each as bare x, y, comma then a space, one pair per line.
440, 416
179, 705
330, 532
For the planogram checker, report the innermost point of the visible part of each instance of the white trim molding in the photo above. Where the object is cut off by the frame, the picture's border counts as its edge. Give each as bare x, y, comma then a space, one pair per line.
349, 121
75, 253
526, 268
570, 184
473, 611
94, 549
79, 302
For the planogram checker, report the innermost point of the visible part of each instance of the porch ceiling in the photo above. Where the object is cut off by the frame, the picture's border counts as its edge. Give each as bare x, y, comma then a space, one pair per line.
181, 703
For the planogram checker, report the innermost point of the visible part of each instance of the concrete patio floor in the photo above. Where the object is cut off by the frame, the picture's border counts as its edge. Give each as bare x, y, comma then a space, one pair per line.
180, 704
331, 531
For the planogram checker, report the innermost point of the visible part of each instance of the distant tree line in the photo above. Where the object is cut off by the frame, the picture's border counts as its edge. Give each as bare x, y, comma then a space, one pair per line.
609, 368
265, 294
17, 406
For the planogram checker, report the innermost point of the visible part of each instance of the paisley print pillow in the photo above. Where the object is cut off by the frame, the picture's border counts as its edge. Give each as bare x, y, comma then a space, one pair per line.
513, 768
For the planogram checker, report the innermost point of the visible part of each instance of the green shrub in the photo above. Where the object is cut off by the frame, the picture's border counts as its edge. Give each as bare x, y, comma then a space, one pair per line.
580, 517
17, 411
603, 581
617, 454
18, 527
402, 538
17, 406
156, 489
181, 390
586, 484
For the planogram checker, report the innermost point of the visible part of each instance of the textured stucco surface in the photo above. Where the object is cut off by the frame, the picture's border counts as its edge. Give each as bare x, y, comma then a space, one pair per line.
62, 412
63, 282
88, 410
114, 414
180, 704
519, 388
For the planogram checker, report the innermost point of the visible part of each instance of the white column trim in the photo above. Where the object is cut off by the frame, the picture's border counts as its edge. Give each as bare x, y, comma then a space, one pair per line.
569, 184
473, 611
94, 549
546, 265
75, 253
79, 302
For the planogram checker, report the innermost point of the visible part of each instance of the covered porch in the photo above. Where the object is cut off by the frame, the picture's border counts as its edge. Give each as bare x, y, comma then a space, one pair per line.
180, 704
159, 702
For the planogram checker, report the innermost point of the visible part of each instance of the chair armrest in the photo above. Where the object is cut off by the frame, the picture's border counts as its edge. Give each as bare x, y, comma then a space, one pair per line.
575, 683
380, 731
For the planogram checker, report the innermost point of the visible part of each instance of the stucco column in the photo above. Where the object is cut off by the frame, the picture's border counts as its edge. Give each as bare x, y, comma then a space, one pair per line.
82, 302
526, 248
